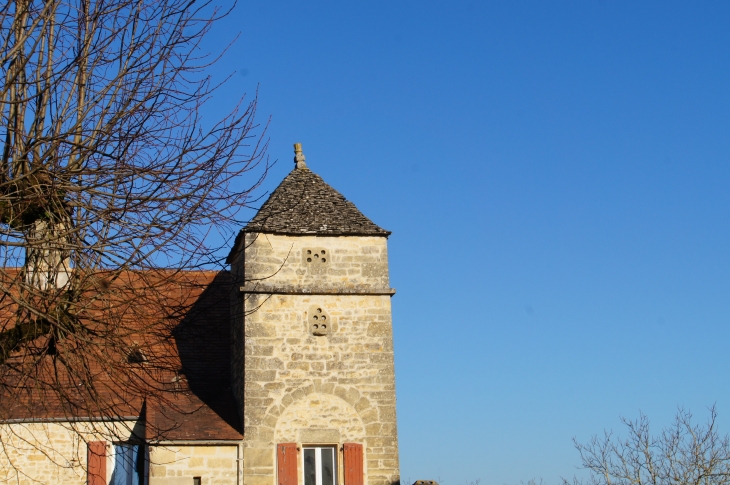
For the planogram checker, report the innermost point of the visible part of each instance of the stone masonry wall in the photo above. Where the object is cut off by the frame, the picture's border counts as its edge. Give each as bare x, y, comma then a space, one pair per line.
350, 262
318, 389
56, 453
275, 261
177, 465
51, 453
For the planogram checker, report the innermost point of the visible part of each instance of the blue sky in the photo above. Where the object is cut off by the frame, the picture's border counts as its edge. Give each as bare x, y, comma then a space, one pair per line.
556, 176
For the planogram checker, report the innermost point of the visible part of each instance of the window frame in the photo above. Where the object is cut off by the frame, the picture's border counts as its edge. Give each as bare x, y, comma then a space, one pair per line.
318, 463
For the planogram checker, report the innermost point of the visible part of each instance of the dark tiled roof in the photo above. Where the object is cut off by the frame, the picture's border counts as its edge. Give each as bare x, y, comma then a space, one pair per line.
305, 204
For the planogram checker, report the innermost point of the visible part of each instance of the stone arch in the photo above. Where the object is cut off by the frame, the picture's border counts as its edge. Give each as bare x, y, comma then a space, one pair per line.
319, 418
350, 396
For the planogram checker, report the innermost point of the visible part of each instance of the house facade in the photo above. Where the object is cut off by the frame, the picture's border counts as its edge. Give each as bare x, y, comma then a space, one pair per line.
288, 367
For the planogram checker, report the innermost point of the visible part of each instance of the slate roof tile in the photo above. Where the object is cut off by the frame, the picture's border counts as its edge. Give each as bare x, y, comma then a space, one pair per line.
304, 204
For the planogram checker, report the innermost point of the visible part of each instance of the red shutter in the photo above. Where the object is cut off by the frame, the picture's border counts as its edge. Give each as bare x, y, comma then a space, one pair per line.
353, 464
96, 463
286, 460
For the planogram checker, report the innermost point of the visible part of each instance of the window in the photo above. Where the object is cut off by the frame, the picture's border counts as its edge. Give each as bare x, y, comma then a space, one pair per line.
196, 481
129, 465
136, 356
320, 465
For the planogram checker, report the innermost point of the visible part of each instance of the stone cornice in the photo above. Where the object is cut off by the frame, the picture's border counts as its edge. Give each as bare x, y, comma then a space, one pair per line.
282, 290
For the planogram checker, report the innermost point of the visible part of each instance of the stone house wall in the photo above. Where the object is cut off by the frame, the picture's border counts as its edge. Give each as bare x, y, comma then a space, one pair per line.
52, 453
56, 453
178, 465
317, 389
352, 262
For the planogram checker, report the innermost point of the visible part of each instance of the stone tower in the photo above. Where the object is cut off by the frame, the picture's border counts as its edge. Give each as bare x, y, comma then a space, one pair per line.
313, 368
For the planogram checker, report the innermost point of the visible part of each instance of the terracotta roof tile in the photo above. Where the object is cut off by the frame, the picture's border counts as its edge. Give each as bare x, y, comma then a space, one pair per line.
187, 372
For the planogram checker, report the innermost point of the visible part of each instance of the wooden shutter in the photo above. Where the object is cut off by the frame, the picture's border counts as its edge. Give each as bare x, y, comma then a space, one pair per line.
353, 464
96, 463
286, 461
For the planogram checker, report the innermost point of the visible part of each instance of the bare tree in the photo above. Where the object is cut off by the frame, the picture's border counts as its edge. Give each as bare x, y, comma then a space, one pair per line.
681, 454
112, 186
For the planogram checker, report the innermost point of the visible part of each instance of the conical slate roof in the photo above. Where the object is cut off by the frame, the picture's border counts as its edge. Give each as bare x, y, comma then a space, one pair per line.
304, 204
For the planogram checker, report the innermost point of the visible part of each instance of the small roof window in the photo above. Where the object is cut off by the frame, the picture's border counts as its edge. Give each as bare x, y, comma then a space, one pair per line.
136, 356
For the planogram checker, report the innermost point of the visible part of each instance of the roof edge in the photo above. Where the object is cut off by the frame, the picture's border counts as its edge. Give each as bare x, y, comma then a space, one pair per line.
385, 233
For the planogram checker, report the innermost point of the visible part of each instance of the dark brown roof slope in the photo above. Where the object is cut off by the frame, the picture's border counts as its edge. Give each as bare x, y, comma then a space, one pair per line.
305, 204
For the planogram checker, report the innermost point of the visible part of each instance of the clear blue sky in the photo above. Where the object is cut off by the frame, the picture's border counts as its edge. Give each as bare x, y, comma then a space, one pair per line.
557, 179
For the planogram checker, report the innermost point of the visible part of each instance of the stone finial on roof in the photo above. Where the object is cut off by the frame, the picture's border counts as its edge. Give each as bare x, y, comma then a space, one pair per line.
300, 161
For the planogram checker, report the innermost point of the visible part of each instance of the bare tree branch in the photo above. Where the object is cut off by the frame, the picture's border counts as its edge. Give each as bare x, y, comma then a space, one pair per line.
681, 454
112, 190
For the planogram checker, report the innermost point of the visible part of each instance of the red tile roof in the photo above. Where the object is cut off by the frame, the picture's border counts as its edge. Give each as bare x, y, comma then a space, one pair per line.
177, 323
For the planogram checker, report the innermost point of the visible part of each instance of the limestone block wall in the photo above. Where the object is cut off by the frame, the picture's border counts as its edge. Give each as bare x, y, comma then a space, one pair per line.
264, 261
295, 383
178, 465
53, 453
327, 389
350, 262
